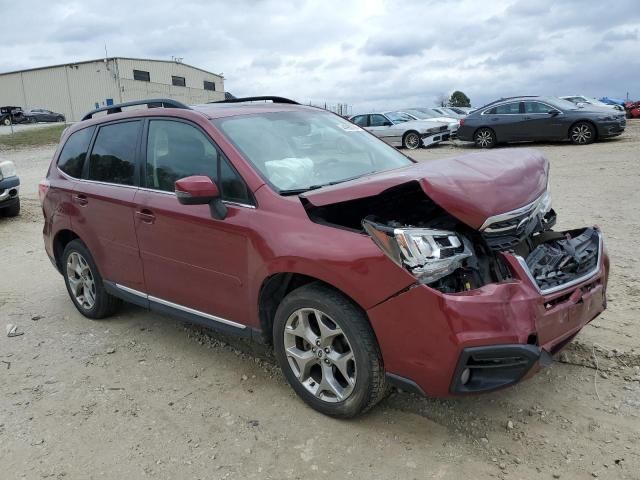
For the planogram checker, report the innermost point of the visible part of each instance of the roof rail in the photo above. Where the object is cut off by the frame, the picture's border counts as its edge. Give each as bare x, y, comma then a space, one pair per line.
257, 99
151, 103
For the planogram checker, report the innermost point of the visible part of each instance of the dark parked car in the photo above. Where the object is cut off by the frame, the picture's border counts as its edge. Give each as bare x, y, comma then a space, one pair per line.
291, 225
41, 115
9, 189
538, 118
9, 115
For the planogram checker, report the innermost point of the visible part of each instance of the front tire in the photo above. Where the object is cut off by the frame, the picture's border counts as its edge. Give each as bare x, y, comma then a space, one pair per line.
84, 282
13, 210
59, 119
6, 122
485, 138
411, 141
328, 352
582, 133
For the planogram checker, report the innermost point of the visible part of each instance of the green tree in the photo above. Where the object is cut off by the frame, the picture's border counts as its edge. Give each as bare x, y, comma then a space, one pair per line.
459, 99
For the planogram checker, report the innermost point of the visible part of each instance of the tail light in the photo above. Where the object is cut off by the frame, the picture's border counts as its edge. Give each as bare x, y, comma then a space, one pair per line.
461, 121
43, 188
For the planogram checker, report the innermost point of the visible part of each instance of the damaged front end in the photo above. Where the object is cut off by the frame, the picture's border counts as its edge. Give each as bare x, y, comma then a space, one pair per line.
446, 254
418, 235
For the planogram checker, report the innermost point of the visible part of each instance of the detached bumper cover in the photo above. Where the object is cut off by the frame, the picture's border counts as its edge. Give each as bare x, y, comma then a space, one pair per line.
426, 335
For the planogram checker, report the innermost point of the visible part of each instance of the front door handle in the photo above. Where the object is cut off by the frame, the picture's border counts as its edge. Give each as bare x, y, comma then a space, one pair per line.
80, 199
146, 215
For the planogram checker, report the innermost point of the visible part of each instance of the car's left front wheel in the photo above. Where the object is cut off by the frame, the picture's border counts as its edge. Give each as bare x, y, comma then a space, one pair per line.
327, 351
411, 141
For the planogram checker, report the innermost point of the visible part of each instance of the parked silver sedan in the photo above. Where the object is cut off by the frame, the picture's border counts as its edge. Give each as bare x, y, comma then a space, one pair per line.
401, 130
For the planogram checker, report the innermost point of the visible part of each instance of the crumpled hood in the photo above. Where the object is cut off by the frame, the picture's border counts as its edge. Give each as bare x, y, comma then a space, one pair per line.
470, 187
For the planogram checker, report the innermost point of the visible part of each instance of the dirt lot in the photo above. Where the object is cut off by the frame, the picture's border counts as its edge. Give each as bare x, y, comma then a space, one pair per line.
140, 395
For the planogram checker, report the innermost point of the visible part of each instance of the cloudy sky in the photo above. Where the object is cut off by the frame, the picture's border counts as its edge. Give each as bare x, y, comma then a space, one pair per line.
368, 54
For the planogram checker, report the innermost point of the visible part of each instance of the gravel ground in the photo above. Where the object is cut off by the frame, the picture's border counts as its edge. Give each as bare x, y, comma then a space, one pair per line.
141, 395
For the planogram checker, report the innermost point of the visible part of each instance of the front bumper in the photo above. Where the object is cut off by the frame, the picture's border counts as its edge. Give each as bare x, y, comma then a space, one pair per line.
504, 331
611, 129
9, 190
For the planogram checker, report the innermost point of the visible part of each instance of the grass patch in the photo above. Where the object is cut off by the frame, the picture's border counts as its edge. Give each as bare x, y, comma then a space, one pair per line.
33, 137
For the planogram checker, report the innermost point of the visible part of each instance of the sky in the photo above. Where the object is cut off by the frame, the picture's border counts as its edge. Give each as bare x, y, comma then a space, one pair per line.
369, 54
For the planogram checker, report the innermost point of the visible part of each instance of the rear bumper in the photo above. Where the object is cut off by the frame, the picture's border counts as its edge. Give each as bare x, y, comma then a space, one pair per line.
428, 338
465, 133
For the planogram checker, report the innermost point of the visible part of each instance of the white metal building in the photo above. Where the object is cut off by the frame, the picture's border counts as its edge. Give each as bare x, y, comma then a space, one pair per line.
75, 88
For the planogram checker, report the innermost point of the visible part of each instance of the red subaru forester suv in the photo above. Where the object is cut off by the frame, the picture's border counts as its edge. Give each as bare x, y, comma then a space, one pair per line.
293, 226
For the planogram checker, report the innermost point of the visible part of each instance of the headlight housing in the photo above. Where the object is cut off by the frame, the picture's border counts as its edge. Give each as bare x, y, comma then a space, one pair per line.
7, 169
427, 253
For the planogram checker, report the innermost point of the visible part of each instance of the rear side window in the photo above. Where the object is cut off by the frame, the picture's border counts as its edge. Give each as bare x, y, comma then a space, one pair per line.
360, 120
74, 152
113, 155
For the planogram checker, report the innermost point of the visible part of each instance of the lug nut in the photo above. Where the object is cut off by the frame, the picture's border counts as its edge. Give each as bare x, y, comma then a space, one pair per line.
318, 343
313, 349
326, 360
326, 350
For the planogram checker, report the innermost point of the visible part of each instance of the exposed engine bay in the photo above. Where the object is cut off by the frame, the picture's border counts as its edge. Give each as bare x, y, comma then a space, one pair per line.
450, 256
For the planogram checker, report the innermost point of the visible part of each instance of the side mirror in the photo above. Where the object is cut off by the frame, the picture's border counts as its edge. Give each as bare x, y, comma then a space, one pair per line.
387, 124
553, 113
200, 190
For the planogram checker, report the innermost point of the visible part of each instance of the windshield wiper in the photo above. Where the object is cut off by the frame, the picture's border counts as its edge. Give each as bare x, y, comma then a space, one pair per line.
297, 191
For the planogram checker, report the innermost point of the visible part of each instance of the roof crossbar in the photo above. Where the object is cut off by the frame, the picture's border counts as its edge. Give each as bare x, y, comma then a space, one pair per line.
258, 99
150, 103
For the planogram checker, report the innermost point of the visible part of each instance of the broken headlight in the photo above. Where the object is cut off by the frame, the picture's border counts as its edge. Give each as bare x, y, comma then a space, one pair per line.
427, 253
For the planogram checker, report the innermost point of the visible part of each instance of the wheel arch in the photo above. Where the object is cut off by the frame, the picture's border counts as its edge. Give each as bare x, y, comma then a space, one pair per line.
583, 120
277, 286
60, 241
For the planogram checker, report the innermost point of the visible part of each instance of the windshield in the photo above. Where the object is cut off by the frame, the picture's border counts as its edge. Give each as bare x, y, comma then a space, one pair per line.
300, 150
561, 104
420, 114
398, 117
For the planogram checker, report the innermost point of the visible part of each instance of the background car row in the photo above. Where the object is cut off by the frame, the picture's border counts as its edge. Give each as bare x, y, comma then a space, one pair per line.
12, 114
579, 119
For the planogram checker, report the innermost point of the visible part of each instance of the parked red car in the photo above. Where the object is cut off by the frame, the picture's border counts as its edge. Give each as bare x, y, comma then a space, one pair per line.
293, 226
633, 109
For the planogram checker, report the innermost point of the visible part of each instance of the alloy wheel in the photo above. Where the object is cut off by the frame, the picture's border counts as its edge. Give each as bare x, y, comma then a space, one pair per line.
581, 133
412, 141
81, 281
320, 355
484, 138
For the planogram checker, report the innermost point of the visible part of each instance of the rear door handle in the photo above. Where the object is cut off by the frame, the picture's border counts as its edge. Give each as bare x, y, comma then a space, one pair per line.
146, 215
80, 199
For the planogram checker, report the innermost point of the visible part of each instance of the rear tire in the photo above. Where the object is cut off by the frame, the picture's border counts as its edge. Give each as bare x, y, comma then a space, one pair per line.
582, 133
411, 141
84, 283
60, 119
485, 138
13, 210
6, 122
328, 352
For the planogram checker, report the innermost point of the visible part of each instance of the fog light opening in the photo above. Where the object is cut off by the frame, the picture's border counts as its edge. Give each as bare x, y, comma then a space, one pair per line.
465, 376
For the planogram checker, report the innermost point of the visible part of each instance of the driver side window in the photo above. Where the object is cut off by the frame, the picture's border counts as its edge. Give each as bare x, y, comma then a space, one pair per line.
176, 150
378, 121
